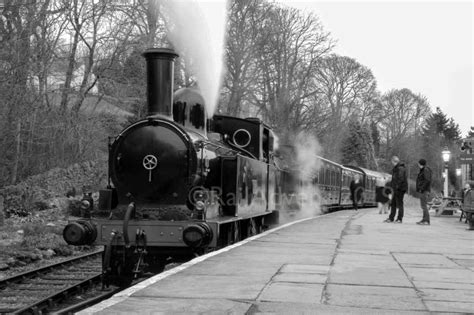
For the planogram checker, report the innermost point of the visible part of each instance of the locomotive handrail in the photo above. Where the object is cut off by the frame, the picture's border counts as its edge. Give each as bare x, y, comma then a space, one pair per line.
126, 219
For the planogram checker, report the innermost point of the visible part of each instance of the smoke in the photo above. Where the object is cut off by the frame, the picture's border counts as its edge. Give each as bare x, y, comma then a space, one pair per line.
196, 30
306, 202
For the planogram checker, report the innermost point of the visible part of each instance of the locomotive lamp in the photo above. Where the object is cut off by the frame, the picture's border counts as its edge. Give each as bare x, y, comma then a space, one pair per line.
446, 154
197, 235
80, 233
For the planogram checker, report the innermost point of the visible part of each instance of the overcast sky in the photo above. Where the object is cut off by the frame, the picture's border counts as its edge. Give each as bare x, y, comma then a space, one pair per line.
424, 46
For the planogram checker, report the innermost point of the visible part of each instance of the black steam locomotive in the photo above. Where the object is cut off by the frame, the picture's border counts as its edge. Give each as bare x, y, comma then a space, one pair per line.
182, 184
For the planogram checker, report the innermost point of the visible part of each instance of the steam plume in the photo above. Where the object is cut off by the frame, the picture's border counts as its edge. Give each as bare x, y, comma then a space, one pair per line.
190, 31
308, 197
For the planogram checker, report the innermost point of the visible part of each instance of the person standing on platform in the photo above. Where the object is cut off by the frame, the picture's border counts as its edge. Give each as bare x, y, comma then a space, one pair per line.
356, 187
466, 189
400, 187
382, 194
423, 188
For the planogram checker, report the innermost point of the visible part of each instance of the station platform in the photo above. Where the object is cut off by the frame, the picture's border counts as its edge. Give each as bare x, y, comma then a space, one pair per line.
343, 262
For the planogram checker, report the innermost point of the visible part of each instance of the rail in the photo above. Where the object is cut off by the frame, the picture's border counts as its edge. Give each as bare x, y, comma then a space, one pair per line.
37, 291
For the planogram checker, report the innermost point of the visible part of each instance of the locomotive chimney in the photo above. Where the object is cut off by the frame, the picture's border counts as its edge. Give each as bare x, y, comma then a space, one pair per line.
160, 77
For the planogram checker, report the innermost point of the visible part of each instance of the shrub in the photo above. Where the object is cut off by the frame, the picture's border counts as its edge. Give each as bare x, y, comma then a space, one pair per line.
33, 229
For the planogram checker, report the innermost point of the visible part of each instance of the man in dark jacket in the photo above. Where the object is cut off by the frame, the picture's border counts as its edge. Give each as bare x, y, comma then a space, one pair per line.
423, 187
357, 188
400, 187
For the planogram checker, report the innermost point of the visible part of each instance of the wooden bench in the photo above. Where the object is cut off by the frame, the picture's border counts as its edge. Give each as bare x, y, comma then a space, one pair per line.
448, 206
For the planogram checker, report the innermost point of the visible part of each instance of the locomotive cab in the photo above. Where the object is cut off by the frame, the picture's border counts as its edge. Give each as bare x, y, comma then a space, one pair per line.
250, 136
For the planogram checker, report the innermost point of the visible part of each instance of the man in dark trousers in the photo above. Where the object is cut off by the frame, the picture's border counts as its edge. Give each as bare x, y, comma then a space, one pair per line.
423, 188
400, 187
357, 188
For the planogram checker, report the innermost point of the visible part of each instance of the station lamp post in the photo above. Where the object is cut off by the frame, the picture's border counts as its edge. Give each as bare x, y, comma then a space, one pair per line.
459, 175
446, 154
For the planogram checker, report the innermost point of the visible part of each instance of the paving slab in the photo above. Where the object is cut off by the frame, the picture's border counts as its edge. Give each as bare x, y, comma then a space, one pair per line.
467, 263
308, 308
469, 255
393, 298
300, 277
135, 305
425, 260
441, 274
314, 257
443, 285
450, 307
206, 286
292, 292
377, 275
321, 269
455, 295
366, 259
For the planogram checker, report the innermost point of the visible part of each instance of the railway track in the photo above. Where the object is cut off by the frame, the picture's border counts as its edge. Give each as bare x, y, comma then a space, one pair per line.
40, 290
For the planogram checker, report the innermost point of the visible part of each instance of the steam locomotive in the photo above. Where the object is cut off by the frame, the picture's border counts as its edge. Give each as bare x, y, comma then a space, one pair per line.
181, 184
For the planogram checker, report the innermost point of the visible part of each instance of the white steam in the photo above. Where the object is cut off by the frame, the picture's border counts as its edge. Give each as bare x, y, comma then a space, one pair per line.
308, 195
196, 30
307, 148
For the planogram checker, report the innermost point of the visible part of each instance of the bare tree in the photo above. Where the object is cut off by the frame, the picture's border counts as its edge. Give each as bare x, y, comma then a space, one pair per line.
403, 113
291, 46
349, 91
32, 36
18, 22
99, 33
244, 27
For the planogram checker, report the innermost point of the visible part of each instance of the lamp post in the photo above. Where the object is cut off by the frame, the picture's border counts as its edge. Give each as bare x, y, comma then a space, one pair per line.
459, 175
446, 155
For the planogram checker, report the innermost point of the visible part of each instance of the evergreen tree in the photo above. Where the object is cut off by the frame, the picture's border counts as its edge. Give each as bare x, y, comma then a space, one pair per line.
438, 133
358, 146
438, 125
470, 134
